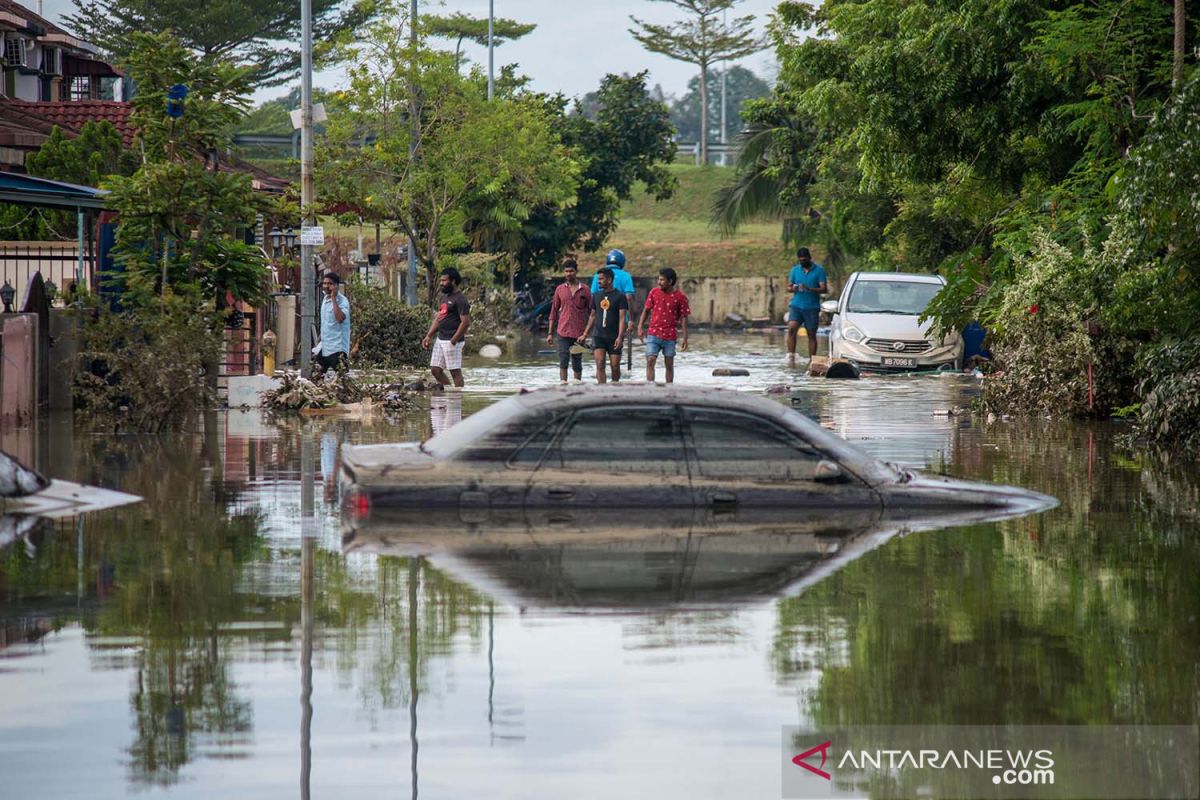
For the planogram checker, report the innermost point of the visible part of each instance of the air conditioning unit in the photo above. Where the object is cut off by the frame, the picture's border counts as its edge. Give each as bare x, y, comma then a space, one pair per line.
51, 60
16, 51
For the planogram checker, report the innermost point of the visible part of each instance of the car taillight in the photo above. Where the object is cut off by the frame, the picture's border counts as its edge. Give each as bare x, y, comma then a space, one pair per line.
357, 505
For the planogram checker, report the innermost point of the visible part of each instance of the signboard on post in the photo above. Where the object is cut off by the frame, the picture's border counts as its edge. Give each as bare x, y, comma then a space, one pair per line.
312, 235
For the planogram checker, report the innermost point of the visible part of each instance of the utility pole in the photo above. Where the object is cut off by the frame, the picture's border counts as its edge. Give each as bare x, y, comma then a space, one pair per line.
307, 284
410, 289
724, 73
491, 49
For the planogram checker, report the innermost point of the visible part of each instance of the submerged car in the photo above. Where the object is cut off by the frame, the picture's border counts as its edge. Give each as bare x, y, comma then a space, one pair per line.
598, 448
876, 324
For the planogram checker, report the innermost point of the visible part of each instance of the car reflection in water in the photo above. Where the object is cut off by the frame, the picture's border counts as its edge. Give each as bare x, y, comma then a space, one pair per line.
624, 560
645, 496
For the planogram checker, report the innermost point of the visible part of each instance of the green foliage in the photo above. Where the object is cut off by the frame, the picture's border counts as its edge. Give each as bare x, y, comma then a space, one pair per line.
1169, 385
703, 37
387, 333
1048, 330
263, 35
181, 214
493, 162
148, 366
741, 85
628, 140
459, 26
86, 159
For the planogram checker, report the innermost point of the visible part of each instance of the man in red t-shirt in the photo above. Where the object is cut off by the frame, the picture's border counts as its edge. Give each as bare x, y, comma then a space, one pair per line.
668, 309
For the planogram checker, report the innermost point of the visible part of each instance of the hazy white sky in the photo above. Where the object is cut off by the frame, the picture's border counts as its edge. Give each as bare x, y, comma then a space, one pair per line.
576, 42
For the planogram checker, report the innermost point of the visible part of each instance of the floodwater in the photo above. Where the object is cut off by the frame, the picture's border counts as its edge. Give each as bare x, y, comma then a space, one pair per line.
217, 641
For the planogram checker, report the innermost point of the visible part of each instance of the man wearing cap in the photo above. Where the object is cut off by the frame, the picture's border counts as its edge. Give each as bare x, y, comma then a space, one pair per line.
569, 309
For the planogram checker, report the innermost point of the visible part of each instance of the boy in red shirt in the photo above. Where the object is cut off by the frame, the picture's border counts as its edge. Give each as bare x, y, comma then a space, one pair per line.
668, 309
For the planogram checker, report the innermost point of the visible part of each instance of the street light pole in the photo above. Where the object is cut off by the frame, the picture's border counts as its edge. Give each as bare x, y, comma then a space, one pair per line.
307, 284
410, 289
724, 72
491, 49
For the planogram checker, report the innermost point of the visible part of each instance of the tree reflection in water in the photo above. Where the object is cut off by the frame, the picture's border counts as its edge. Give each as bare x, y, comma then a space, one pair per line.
178, 589
1084, 615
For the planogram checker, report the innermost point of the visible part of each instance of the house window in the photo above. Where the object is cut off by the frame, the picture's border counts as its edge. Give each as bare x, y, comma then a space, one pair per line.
81, 87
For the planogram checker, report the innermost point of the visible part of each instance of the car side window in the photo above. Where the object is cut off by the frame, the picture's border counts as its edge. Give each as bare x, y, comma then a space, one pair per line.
529, 454
732, 445
622, 440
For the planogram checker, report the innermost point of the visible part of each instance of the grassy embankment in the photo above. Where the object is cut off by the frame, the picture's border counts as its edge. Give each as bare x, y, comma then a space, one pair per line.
676, 233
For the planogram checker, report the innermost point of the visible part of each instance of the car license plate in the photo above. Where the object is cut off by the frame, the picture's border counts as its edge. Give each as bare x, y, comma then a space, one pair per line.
897, 361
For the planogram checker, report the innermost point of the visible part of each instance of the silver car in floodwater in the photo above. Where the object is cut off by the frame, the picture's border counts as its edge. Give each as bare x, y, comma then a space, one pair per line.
662, 449
877, 326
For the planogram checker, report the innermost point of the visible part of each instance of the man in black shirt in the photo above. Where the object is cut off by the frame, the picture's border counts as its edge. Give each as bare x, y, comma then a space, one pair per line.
450, 323
607, 318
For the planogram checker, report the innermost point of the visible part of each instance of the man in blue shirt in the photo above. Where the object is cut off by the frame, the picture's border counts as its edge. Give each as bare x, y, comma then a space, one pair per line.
806, 281
335, 325
622, 280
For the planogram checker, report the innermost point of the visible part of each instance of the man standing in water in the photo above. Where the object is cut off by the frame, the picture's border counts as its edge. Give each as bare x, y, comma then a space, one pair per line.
622, 282
609, 309
569, 308
668, 308
450, 324
334, 351
807, 282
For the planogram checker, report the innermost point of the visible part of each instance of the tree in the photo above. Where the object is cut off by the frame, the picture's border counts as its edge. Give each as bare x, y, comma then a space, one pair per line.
703, 41
628, 139
459, 26
497, 159
263, 34
86, 159
741, 85
181, 213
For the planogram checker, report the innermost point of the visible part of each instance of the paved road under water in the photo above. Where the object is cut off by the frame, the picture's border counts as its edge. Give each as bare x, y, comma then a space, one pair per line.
214, 641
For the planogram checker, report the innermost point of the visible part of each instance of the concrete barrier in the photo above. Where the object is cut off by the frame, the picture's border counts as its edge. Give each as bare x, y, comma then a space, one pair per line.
714, 299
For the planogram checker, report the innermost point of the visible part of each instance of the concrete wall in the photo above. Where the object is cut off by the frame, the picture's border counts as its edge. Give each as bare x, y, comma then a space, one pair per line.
713, 299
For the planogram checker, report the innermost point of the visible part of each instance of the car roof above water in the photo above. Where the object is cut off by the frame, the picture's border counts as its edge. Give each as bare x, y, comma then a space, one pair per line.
909, 277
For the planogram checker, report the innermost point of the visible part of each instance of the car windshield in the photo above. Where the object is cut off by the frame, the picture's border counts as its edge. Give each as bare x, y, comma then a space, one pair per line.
473, 428
891, 297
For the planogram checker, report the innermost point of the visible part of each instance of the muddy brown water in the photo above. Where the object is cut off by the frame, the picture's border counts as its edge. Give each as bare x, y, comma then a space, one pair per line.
217, 641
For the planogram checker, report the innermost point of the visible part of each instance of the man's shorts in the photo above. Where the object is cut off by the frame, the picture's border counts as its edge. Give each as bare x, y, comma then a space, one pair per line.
563, 345
807, 317
446, 355
607, 345
655, 345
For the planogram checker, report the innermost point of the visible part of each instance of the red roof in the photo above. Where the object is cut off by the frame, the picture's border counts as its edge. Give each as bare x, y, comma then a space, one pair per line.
26, 125
71, 115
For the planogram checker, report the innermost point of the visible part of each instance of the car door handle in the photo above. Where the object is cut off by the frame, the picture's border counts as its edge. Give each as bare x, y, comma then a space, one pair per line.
722, 499
560, 493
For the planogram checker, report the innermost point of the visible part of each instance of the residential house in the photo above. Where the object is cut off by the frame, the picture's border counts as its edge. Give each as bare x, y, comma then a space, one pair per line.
44, 63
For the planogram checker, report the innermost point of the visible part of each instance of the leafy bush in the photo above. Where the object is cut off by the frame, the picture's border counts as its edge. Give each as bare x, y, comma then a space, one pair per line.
147, 368
1169, 385
1048, 330
386, 333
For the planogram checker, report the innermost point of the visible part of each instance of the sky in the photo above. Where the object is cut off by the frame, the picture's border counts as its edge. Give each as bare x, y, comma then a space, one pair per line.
575, 44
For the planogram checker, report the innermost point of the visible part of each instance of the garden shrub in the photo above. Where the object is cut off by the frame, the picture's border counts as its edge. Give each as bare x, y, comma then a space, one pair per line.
1169, 387
386, 332
1048, 328
147, 368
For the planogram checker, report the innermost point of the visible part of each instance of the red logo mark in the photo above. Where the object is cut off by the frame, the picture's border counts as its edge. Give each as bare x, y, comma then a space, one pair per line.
823, 750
